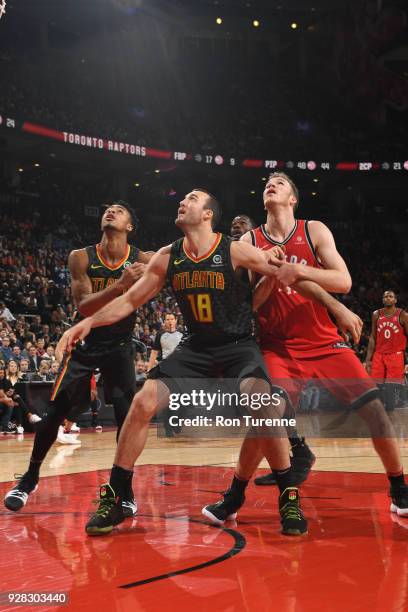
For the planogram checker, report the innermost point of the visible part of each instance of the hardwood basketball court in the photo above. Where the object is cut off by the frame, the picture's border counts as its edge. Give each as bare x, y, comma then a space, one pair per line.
353, 558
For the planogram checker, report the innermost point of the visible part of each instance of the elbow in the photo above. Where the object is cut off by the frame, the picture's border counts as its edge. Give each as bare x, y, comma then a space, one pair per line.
346, 285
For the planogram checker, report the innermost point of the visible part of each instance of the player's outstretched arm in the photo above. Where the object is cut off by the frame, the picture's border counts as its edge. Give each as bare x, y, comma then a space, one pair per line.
143, 290
334, 276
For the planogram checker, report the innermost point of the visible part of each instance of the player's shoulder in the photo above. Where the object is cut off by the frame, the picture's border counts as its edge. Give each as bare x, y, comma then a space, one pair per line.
315, 225
78, 257
376, 313
165, 250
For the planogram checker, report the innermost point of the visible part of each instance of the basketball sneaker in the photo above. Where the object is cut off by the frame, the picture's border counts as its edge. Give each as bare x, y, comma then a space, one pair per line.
17, 498
302, 462
129, 508
399, 500
108, 514
224, 510
292, 520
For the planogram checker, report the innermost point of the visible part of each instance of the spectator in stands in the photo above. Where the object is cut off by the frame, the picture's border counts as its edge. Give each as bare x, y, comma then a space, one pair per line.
14, 341
43, 373
36, 326
54, 367
33, 359
5, 313
16, 355
24, 372
40, 346
140, 371
5, 350
20, 408
49, 353
6, 404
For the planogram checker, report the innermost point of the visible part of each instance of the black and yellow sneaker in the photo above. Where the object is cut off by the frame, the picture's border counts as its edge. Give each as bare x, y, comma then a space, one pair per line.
292, 520
109, 513
224, 510
399, 500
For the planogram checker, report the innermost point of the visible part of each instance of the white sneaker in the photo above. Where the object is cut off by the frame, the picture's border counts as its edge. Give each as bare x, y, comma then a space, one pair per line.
66, 438
34, 418
98, 428
20, 429
75, 428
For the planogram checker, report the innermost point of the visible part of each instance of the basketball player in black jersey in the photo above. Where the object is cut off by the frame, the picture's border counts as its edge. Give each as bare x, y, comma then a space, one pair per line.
302, 459
216, 304
99, 273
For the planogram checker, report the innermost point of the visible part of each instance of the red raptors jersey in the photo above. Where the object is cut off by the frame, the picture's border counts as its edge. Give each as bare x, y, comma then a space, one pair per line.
391, 336
287, 320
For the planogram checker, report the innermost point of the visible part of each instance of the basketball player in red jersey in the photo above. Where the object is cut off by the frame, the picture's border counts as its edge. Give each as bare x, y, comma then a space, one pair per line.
386, 347
299, 341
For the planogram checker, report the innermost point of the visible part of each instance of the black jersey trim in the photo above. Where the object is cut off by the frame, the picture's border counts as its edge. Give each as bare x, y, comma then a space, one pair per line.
253, 238
272, 241
310, 243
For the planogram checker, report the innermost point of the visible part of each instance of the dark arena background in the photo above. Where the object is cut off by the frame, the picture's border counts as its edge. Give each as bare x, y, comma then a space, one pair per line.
141, 101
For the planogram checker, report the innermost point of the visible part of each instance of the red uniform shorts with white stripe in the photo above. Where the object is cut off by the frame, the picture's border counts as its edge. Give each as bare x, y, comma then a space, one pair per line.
339, 371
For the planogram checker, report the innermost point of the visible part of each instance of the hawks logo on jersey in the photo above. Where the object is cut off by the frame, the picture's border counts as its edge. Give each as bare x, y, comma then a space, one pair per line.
287, 319
391, 336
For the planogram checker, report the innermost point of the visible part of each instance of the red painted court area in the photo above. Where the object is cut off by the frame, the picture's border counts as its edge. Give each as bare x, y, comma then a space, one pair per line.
355, 556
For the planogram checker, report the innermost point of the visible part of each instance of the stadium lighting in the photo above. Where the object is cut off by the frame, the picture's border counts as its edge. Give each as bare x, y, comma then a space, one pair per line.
137, 184
218, 21
252, 192
256, 23
21, 169
157, 171
315, 180
314, 193
37, 165
294, 25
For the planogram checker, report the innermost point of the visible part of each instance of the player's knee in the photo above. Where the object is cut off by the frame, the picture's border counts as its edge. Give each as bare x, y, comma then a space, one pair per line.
144, 406
377, 419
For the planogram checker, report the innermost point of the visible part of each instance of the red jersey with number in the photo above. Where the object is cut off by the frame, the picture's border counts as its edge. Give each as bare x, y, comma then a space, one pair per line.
287, 320
391, 336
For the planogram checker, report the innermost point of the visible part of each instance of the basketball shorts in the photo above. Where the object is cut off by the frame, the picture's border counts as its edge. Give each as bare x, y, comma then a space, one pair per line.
340, 372
388, 367
236, 360
76, 372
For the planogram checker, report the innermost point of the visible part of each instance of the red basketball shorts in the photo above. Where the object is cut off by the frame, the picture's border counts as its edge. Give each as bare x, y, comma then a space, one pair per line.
340, 372
388, 367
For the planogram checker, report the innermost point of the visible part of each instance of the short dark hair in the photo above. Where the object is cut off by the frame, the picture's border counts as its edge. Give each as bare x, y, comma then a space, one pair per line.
295, 190
211, 204
249, 220
126, 206
390, 291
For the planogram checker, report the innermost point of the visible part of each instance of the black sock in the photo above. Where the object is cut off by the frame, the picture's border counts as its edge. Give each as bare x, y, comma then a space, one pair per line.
396, 481
283, 479
120, 480
238, 486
